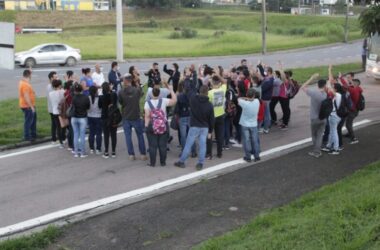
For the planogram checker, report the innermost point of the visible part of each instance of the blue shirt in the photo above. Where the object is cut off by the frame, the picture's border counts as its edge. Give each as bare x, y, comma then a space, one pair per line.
250, 110
89, 83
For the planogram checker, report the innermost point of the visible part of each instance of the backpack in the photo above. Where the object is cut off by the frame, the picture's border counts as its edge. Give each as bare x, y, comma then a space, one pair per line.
326, 108
293, 89
158, 118
114, 115
231, 109
361, 103
343, 109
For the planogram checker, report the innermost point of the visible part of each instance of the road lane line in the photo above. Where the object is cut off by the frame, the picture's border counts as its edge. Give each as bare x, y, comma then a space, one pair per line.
55, 216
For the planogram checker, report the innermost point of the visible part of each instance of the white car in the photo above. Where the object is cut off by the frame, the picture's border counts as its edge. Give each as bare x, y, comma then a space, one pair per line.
53, 53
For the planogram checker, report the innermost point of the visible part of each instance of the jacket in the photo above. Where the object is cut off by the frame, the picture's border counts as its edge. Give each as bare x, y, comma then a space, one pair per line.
182, 109
81, 104
105, 101
129, 99
202, 112
267, 89
114, 77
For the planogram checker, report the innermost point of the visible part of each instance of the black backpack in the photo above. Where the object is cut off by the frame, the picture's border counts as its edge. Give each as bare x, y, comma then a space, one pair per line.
343, 109
114, 114
326, 108
361, 103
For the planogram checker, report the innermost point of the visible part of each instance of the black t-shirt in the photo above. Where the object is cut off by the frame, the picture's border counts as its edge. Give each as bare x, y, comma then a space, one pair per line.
81, 104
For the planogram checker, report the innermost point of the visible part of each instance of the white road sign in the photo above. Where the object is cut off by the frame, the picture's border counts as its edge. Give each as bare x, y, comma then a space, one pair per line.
7, 45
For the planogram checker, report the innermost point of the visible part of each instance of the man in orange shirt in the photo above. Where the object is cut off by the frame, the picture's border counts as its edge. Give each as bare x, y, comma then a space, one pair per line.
27, 102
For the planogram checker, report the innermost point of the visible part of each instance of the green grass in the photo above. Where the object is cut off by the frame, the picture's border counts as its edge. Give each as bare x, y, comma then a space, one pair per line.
35, 241
242, 34
344, 215
12, 120
7, 16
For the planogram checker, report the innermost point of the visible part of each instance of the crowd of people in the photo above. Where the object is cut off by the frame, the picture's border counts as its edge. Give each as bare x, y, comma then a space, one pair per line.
204, 105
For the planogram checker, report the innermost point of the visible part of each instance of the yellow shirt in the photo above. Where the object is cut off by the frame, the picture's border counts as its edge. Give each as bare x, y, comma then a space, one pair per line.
217, 98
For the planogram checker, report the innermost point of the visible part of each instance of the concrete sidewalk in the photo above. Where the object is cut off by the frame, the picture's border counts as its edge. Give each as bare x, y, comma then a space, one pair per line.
183, 218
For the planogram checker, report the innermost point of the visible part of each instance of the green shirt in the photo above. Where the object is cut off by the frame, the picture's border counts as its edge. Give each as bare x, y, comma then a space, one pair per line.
217, 98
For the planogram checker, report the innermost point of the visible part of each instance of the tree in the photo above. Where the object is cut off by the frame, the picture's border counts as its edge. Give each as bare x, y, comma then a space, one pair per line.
153, 3
370, 20
191, 3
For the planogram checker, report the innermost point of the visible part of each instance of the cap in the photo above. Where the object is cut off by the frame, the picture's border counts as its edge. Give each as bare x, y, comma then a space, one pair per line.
127, 76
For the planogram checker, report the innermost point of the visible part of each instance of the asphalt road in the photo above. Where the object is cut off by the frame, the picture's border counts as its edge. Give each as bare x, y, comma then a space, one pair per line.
314, 56
183, 218
38, 181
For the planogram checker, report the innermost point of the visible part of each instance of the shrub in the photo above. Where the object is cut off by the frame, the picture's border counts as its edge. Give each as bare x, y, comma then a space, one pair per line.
189, 33
297, 31
219, 33
153, 23
175, 35
279, 31
324, 30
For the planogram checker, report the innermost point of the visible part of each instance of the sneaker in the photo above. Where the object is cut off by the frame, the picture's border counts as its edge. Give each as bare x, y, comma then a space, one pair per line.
209, 157
98, 152
283, 127
150, 165
334, 152
179, 164
226, 148
163, 164
247, 159
73, 152
314, 154
199, 166
219, 156
69, 149
341, 148
266, 131
83, 155
76, 155
261, 130
326, 149
132, 158
257, 159
54, 142
61, 146
92, 151
144, 158
113, 155
233, 141
106, 156
354, 141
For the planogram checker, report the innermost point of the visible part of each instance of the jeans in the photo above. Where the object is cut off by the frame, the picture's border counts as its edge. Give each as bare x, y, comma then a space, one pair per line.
349, 123
340, 126
201, 135
138, 126
227, 130
108, 132
53, 128
333, 141
219, 136
95, 126
70, 135
184, 127
317, 130
159, 142
60, 131
285, 106
267, 117
251, 142
272, 108
30, 124
79, 127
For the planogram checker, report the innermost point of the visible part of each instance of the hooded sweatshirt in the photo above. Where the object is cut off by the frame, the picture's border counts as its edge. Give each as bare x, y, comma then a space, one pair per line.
202, 112
129, 99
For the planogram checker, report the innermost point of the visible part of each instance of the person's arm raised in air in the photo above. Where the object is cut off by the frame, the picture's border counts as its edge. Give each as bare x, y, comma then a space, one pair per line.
331, 75
173, 99
308, 82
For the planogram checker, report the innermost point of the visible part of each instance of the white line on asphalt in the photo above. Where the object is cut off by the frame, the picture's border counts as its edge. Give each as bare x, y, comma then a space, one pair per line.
45, 219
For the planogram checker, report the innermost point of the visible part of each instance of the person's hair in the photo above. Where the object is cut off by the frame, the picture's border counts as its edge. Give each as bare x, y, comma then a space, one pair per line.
27, 73
243, 61
255, 79
251, 93
216, 80
106, 88
68, 84
176, 67
246, 73
156, 82
51, 74
270, 70
181, 87
208, 70
85, 71
233, 70
338, 88
352, 74
113, 65
69, 73
131, 69
156, 92
203, 90
155, 64
357, 81
56, 83
278, 74
78, 88
93, 93
288, 73
321, 83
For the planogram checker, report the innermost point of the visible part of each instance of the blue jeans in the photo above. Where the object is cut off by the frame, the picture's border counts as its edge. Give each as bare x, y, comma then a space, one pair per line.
138, 126
30, 124
333, 141
79, 128
201, 135
251, 141
95, 126
184, 127
267, 117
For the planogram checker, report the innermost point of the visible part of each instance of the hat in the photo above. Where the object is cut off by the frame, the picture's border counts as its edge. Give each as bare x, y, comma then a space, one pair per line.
128, 77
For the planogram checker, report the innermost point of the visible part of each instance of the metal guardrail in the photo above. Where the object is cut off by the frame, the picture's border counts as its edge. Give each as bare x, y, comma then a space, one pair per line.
41, 30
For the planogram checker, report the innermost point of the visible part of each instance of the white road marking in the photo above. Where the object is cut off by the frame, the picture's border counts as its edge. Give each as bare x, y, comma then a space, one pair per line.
45, 219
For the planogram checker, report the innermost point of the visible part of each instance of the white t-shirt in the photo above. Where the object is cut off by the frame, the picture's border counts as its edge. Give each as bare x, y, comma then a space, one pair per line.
98, 81
165, 103
337, 100
163, 93
49, 89
55, 97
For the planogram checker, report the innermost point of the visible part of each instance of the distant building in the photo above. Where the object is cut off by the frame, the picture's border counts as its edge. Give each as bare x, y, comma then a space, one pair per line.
55, 4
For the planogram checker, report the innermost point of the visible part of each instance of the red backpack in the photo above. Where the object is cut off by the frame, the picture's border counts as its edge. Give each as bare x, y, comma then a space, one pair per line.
260, 116
158, 118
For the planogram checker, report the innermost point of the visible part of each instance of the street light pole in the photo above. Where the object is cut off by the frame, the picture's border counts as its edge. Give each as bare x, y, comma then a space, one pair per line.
346, 24
264, 27
119, 32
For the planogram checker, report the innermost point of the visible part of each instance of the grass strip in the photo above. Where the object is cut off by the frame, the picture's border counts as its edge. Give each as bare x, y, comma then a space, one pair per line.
344, 215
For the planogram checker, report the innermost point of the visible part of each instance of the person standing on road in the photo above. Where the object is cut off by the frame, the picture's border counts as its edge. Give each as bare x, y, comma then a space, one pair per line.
129, 99
108, 99
81, 104
69, 100
49, 88
55, 97
134, 72
86, 81
154, 75
201, 127
277, 82
114, 76
27, 103
156, 125
95, 122
364, 53
98, 78
266, 96
248, 121
174, 74
317, 125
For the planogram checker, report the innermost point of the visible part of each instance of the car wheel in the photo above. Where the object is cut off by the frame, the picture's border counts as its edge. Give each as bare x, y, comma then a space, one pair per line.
30, 62
71, 61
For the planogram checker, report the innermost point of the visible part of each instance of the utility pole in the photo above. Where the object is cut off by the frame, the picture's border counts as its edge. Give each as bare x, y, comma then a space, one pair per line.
346, 24
264, 27
119, 32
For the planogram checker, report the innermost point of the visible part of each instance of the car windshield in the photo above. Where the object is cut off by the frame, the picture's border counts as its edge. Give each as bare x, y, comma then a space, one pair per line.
35, 48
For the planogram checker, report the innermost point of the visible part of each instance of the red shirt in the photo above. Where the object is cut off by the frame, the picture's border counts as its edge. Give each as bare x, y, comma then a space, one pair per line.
354, 91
